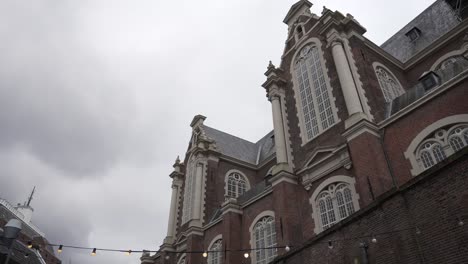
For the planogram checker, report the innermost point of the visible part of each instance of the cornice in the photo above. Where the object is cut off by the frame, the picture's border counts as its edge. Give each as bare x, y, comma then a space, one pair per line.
426, 98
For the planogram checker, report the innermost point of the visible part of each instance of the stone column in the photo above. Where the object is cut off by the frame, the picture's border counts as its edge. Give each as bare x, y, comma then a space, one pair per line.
172, 212
345, 76
280, 142
198, 192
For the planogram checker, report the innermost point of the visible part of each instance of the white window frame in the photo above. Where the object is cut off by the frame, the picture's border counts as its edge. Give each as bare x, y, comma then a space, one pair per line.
413, 151
182, 259
259, 217
350, 183
313, 42
396, 91
226, 183
220, 256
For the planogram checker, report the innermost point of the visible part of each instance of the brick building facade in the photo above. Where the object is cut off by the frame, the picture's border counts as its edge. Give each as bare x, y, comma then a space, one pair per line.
366, 163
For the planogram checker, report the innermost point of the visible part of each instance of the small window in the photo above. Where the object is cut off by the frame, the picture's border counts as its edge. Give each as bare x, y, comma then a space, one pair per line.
236, 185
413, 34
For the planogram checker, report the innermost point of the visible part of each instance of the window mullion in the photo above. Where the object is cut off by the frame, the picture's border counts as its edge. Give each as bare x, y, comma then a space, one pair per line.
313, 90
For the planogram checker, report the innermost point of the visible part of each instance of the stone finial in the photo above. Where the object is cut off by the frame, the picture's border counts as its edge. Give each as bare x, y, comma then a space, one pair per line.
325, 9
177, 165
271, 66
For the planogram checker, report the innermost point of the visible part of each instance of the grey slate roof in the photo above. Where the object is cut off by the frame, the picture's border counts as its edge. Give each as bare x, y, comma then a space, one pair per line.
434, 22
241, 149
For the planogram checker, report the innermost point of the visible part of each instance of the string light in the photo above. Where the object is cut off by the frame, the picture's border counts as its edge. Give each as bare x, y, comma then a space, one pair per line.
30, 244
129, 252
205, 254
460, 222
246, 255
167, 257
94, 252
287, 248
374, 240
59, 250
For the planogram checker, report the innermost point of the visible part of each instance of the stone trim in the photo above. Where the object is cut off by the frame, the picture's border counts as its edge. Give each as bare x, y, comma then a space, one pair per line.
427, 97
216, 238
357, 79
181, 257
462, 51
410, 153
335, 179
376, 64
283, 176
359, 128
338, 157
231, 206
287, 136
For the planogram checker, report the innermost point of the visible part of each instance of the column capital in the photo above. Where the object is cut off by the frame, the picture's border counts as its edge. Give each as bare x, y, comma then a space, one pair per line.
274, 93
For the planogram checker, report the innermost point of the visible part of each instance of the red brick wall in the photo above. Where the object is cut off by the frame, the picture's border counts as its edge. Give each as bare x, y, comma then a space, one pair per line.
399, 134
431, 202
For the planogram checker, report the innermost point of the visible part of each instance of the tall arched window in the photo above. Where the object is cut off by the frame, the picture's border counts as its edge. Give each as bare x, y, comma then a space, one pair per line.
215, 255
390, 86
236, 184
189, 192
313, 92
264, 236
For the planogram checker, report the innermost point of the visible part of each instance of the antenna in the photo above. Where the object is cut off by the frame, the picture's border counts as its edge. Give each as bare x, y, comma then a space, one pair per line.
31, 196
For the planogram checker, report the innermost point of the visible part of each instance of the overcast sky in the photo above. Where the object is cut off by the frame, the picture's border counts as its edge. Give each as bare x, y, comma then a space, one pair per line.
96, 98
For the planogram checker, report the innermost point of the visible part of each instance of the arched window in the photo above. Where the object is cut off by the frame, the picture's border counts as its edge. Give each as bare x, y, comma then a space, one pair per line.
313, 92
182, 260
334, 204
189, 192
215, 255
264, 236
390, 86
332, 201
437, 141
450, 67
236, 184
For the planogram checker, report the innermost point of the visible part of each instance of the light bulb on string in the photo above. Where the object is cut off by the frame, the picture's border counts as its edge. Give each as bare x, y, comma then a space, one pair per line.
59, 250
166, 257
374, 240
330, 245
94, 252
129, 252
30, 244
205, 254
246, 255
460, 222
287, 248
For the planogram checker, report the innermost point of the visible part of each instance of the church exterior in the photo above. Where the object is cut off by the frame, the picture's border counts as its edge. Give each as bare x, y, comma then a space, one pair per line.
366, 163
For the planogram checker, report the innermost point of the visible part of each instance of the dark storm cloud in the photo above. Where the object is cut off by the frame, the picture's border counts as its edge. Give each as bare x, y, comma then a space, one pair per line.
56, 99
96, 98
